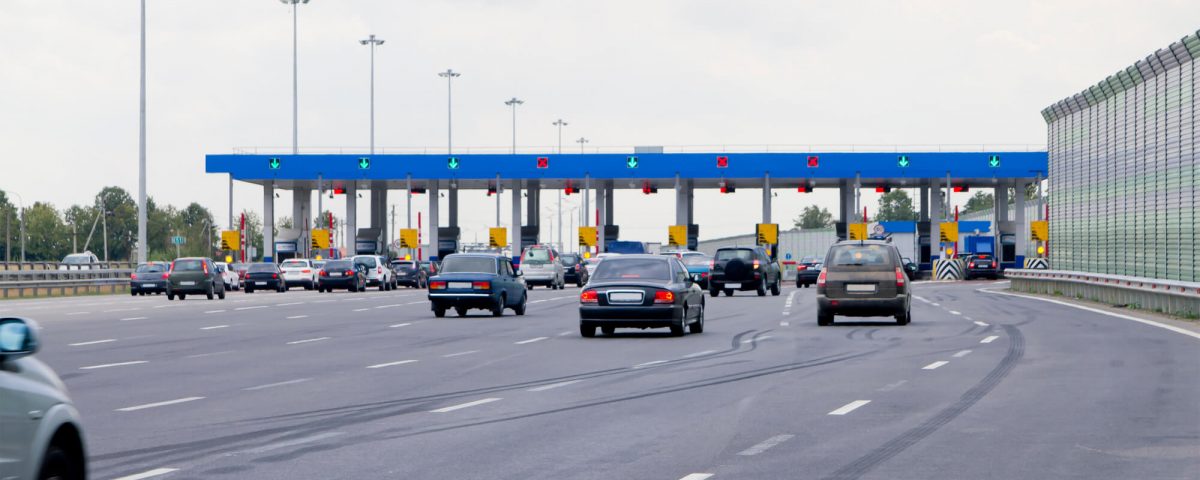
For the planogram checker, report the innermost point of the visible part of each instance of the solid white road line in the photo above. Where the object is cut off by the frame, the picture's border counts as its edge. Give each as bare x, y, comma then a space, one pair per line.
293, 317
1099, 311
288, 304
278, 384
563, 334
392, 364
148, 474
389, 306
647, 364
934, 365
765, 445
214, 327
464, 405
784, 323
121, 310
251, 308
698, 354
361, 309
297, 342
107, 365
93, 342
459, 354
850, 407
953, 312
935, 304
697, 476
918, 297
982, 324
323, 301
77, 313
132, 318
756, 339
215, 311
553, 386
398, 325
159, 404
523, 342
989, 339
961, 354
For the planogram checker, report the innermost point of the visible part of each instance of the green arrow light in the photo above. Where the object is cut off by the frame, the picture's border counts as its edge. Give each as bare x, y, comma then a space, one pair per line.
994, 161
631, 162
274, 163
902, 161
452, 163
364, 163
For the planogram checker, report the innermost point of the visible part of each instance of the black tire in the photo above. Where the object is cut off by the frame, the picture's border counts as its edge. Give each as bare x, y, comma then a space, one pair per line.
209, 293
579, 284
588, 331
824, 319
728, 292
170, 296
461, 311
520, 308
714, 292
221, 294
382, 286
249, 290
762, 287
678, 330
439, 312
608, 331
498, 308
133, 293
904, 318
182, 296
698, 326
775, 289
58, 464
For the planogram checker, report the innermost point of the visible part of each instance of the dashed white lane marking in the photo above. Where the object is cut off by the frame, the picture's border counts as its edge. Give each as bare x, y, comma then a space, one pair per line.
464, 405
93, 342
935, 365
553, 386
148, 474
756, 339
787, 304
920, 298
214, 327
132, 318
77, 313
698, 354
310, 340
523, 342
968, 318
159, 404
288, 304
361, 309
398, 325
850, 407
108, 365
954, 312
323, 301
989, 339
277, 384
169, 306
392, 364
250, 308
697, 476
394, 305
294, 442
215, 311
563, 334
352, 299
961, 354
784, 323
935, 304
209, 354
647, 364
459, 354
293, 317
892, 386
1096, 310
122, 310
982, 324
766, 445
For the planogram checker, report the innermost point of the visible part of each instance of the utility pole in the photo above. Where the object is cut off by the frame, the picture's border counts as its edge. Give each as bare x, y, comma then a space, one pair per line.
104, 229
141, 244
372, 41
560, 123
449, 75
581, 141
513, 103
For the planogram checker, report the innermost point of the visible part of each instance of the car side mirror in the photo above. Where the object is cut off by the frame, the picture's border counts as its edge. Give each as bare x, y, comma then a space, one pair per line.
520, 273
18, 338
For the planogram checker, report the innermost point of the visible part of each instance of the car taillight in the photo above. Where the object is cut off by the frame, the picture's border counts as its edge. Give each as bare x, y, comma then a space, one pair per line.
899, 277
274, 275
712, 264
481, 285
165, 276
349, 273
324, 273
821, 279
756, 264
205, 265
993, 264
437, 285
379, 271
663, 296
589, 296
704, 274
133, 276
801, 267
306, 271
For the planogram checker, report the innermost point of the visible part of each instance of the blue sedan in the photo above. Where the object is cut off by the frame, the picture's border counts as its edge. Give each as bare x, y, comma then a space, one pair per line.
477, 281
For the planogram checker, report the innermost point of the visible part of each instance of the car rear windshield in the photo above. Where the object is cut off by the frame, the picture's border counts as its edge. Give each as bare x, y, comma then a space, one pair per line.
403, 264
696, 260
151, 268
468, 265
536, 256
860, 256
188, 266
569, 260
633, 269
369, 262
740, 253
262, 267
293, 264
339, 265
78, 258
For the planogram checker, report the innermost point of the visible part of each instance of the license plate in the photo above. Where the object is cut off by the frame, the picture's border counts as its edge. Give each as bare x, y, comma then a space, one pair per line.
147, 285
336, 274
260, 283
733, 285
187, 284
464, 285
860, 287
625, 297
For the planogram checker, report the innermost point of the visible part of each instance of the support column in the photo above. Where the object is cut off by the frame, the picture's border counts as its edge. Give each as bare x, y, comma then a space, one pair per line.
587, 200
1022, 233
1000, 195
935, 217
434, 219
531, 203
923, 193
845, 203
609, 211
301, 198
681, 202
350, 235
602, 202
268, 248
514, 231
766, 199
452, 197
384, 230
691, 201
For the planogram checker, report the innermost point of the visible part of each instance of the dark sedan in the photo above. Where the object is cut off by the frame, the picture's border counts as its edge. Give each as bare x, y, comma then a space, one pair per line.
641, 291
981, 265
807, 271
342, 275
150, 277
480, 281
264, 276
573, 269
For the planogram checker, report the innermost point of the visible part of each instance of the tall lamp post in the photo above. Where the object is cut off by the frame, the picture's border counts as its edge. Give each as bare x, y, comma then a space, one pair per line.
513, 103
581, 141
449, 75
559, 123
295, 82
372, 41
141, 243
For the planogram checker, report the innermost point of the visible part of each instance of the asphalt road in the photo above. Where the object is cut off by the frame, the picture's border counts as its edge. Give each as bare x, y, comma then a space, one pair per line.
370, 385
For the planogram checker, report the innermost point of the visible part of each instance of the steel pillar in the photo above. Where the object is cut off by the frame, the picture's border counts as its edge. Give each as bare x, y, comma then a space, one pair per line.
350, 235
434, 221
514, 231
268, 225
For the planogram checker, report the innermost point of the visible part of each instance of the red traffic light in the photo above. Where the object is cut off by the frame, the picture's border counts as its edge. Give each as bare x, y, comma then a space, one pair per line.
417, 190
961, 188
727, 187
543, 162
648, 188
814, 161
570, 188
804, 189
339, 190
722, 161
491, 191
883, 189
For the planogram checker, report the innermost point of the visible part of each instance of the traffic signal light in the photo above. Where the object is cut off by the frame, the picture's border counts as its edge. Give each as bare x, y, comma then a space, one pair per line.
570, 188
727, 187
543, 162
648, 188
453, 163
364, 163
722, 161
417, 190
961, 188
631, 161
813, 161
994, 161
804, 189
902, 161
491, 190
883, 189
274, 163
339, 190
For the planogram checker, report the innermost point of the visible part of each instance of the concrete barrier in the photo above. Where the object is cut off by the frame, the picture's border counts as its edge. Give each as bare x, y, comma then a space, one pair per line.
948, 269
1164, 296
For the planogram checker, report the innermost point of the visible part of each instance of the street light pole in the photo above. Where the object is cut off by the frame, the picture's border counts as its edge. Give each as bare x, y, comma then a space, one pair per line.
141, 244
21, 206
295, 81
513, 103
581, 141
449, 75
372, 41
560, 123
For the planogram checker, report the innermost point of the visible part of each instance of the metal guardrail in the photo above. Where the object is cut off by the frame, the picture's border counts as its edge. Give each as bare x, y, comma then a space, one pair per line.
39, 283
8, 266
1165, 296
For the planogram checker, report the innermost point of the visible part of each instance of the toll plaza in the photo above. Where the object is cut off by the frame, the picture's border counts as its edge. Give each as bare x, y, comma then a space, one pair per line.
937, 176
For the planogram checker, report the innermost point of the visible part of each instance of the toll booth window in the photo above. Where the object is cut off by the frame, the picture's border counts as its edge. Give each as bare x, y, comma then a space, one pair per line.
468, 265
860, 255
644, 269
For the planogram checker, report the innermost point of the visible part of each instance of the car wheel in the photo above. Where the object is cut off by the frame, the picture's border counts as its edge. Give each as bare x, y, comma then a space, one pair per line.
680, 329
608, 331
728, 292
249, 290
698, 326
520, 308
714, 292
382, 286
58, 464
904, 319
170, 296
824, 319
588, 331
578, 284
498, 308
439, 312
762, 287
133, 293
210, 293
182, 296
221, 294
775, 289
462, 311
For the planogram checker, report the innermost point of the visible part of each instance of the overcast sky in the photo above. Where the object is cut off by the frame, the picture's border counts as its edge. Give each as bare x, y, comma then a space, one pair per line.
640, 72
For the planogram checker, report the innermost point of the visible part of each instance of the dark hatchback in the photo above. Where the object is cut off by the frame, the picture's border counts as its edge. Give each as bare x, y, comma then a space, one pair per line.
149, 277
264, 276
807, 271
409, 274
477, 281
863, 279
744, 268
342, 275
981, 265
573, 269
194, 276
641, 291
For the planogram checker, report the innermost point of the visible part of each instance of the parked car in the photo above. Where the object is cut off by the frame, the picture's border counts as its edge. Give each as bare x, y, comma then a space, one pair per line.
79, 261
195, 275
378, 273
574, 270
298, 272
981, 265
744, 268
264, 276
807, 271
699, 265
863, 278
342, 274
641, 291
42, 434
149, 277
409, 274
540, 266
233, 280
477, 281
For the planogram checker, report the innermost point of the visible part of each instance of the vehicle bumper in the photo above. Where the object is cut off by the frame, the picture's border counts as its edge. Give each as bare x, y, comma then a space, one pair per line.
632, 316
747, 284
407, 281
863, 307
807, 278
299, 281
262, 284
185, 289
339, 282
159, 286
540, 279
969, 274
468, 300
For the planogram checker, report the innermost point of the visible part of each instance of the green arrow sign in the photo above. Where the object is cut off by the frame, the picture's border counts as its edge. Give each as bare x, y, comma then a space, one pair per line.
994, 161
902, 161
364, 163
274, 163
452, 163
631, 162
